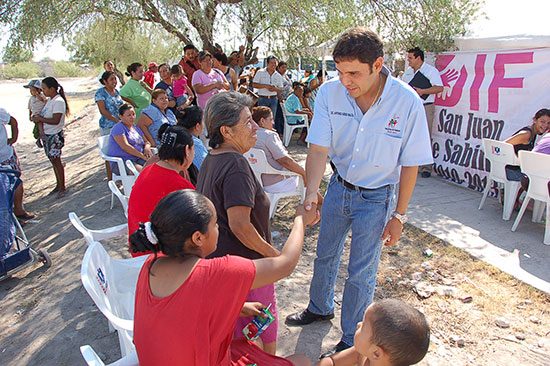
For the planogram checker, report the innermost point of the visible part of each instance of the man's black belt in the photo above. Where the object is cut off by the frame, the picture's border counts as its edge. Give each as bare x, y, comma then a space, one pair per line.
429, 103
347, 184
267, 96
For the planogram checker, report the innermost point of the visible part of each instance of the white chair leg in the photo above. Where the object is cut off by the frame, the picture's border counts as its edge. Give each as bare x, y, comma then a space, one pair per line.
510, 194
538, 211
500, 189
287, 133
547, 225
521, 212
272, 206
485, 193
112, 200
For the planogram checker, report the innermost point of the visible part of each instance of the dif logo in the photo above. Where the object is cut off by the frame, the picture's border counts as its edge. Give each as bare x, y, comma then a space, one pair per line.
495, 150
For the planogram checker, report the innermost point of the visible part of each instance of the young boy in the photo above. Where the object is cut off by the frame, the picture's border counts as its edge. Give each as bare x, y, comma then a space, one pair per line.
392, 333
37, 101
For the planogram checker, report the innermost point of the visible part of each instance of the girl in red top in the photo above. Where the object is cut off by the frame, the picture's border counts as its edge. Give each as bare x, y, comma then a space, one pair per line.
186, 306
176, 154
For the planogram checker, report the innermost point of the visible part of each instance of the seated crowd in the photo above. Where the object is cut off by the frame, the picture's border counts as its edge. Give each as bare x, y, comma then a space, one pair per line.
204, 218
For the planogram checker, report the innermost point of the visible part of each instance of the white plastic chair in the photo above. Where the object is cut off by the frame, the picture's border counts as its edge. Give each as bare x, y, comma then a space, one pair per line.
130, 165
127, 180
122, 198
501, 154
111, 283
92, 359
92, 236
289, 128
536, 165
257, 160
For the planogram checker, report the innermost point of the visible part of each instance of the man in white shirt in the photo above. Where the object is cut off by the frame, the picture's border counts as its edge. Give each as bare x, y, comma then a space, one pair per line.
373, 128
267, 84
417, 65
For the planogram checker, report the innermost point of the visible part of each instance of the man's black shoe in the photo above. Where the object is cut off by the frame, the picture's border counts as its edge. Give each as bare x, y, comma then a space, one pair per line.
338, 348
306, 317
426, 174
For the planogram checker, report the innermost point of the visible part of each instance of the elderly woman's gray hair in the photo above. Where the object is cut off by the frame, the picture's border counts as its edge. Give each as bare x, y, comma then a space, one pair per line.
224, 109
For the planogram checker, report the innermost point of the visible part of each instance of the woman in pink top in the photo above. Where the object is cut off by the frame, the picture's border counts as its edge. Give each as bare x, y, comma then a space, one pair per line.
208, 81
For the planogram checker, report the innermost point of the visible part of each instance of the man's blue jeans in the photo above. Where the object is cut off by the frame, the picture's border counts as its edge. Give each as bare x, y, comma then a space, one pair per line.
366, 214
269, 102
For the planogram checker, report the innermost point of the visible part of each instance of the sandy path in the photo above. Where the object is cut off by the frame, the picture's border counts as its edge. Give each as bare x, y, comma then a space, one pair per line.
46, 314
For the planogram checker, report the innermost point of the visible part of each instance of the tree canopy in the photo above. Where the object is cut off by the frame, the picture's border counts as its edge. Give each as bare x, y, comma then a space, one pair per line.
286, 26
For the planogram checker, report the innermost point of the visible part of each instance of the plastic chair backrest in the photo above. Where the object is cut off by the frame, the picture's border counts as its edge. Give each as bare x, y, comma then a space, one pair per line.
103, 142
111, 283
132, 167
92, 236
126, 179
122, 198
286, 113
500, 154
537, 168
258, 161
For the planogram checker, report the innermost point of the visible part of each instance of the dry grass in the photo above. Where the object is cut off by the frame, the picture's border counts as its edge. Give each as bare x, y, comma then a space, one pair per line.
494, 294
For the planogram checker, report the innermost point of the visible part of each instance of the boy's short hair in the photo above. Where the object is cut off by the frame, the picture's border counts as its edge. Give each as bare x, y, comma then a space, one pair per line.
401, 330
260, 112
358, 44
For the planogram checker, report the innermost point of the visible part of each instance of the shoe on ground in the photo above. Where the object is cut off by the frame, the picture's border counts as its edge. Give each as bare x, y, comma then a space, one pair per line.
426, 174
338, 348
39, 143
306, 317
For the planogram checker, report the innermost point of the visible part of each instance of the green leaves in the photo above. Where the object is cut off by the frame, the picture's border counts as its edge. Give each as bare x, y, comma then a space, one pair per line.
289, 27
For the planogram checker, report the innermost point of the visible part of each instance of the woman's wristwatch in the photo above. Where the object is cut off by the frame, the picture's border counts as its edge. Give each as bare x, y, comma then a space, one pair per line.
402, 218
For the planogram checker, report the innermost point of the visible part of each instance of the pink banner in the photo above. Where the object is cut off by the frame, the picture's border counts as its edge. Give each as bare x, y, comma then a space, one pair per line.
487, 94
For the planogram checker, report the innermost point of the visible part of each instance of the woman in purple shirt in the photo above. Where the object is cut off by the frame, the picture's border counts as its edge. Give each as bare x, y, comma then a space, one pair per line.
126, 140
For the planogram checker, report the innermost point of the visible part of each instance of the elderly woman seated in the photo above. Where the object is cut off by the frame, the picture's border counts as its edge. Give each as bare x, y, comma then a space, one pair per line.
276, 154
126, 140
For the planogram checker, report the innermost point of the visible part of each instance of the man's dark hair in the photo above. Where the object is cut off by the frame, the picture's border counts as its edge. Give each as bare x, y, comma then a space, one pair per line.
358, 44
222, 58
401, 330
417, 52
269, 58
105, 62
189, 47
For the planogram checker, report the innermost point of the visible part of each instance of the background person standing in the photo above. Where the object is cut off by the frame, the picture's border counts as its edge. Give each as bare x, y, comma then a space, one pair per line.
269, 83
420, 70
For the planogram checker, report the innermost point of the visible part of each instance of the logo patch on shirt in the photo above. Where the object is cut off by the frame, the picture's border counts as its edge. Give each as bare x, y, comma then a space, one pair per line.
393, 127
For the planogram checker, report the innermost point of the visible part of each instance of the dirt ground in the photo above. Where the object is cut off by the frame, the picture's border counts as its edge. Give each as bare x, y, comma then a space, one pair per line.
47, 315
